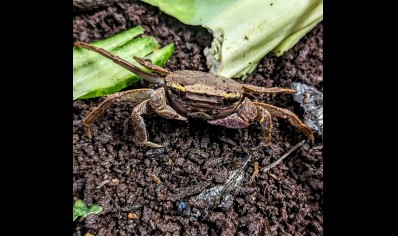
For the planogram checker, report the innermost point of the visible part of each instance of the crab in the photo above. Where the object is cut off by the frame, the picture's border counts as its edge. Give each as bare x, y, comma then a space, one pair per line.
187, 94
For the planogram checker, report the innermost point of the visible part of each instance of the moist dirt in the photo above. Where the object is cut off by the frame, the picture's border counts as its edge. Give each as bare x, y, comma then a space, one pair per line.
146, 191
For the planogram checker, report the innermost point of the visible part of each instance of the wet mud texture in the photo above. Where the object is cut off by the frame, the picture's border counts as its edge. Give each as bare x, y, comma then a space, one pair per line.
147, 191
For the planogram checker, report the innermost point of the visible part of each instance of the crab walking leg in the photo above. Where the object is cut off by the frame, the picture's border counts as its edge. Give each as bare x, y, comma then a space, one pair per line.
133, 96
158, 103
265, 120
157, 69
151, 78
139, 125
290, 116
258, 90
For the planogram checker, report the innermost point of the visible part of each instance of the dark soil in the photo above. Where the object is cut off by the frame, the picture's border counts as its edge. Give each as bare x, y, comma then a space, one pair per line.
147, 191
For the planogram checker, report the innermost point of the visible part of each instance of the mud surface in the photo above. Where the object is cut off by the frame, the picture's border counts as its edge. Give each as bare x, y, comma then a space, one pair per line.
147, 191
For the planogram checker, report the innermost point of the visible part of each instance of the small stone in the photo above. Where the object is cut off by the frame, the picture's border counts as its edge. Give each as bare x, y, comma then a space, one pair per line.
114, 182
132, 216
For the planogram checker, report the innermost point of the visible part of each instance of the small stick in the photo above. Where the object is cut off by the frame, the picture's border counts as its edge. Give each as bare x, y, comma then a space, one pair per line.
267, 168
273, 164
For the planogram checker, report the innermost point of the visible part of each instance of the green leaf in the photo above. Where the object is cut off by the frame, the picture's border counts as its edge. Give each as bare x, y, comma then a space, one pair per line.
94, 75
81, 210
245, 31
193, 12
160, 57
83, 57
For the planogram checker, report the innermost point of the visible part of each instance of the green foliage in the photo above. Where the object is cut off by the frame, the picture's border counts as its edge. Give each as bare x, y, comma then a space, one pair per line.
245, 31
94, 75
81, 210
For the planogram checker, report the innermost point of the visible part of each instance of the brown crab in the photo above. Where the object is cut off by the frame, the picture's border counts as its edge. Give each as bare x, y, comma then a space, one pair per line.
182, 94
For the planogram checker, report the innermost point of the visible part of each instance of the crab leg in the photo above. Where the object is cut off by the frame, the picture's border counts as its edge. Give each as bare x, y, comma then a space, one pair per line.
157, 69
150, 77
256, 89
139, 124
158, 103
265, 120
134, 96
290, 116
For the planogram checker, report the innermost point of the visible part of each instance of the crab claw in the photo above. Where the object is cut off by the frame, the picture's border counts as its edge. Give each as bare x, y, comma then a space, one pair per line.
233, 121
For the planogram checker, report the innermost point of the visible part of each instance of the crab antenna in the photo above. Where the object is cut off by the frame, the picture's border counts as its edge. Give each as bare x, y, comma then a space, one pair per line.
151, 78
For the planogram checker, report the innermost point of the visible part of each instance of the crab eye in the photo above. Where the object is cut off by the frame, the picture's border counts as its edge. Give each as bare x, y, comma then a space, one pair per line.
232, 97
176, 88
